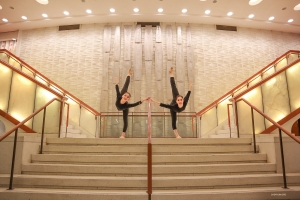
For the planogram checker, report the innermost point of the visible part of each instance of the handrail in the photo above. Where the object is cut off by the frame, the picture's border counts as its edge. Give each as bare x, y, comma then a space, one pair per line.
282, 121
280, 128
31, 79
244, 83
228, 114
266, 79
15, 121
65, 92
149, 152
27, 119
271, 120
16, 128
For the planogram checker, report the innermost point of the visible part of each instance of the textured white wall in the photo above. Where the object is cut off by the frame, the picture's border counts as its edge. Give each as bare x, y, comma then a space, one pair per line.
223, 59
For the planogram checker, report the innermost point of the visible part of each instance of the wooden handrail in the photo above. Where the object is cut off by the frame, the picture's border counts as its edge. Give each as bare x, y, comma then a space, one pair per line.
271, 120
24, 64
266, 79
27, 119
230, 93
149, 152
282, 121
31, 79
15, 121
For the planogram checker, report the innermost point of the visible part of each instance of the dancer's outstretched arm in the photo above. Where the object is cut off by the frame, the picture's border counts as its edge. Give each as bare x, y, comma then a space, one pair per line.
130, 105
155, 101
162, 104
191, 86
146, 99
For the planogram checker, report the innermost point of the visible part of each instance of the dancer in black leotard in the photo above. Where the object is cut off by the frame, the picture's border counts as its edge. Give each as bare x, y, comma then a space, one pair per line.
178, 103
122, 101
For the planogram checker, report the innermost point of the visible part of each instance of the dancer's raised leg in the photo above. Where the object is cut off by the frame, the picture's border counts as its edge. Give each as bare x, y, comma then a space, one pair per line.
127, 81
175, 92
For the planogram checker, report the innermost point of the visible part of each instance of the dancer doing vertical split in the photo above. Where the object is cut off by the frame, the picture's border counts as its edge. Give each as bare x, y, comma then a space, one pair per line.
178, 103
122, 101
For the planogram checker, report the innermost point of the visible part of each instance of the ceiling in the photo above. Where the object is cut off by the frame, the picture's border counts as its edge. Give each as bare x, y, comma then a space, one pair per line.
282, 10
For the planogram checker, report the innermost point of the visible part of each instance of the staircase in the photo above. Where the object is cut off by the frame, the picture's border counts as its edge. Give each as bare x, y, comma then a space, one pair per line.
84, 168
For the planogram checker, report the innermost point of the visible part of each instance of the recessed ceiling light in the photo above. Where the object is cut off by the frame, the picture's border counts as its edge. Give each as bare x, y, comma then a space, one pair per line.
112, 10
184, 10
13, 38
290, 20
297, 7
136, 10
44, 2
0, 7
202, 0
251, 16
230, 13
160, 10
271, 18
24, 17
5, 20
207, 11
44, 15
66, 13
254, 2
89, 11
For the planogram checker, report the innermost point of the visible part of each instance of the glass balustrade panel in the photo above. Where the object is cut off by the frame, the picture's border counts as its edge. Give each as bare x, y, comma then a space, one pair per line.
223, 111
14, 63
244, 112
293, 79
88, 123
52, 117
292, 57
3, 56
281, 64
22, 97
275, 98
208, 122
5, 82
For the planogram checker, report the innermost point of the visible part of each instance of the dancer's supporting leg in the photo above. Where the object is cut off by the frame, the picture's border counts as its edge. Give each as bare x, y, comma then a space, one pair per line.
125, 122
127, 81
174, 119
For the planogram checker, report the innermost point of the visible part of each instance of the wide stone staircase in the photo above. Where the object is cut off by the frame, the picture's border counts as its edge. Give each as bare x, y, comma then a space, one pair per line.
86, 168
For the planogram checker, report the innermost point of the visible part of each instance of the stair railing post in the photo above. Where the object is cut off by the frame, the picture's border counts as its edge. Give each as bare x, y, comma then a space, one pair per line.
43, 130
282, 160
236, 118
253, 130
13, 161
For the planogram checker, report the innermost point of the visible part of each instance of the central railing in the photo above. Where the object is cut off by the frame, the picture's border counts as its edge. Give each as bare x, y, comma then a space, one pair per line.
111, 124
149, 153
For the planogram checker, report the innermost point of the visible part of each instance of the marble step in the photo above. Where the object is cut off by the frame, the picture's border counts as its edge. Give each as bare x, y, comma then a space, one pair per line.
261, 193
140, 183
157, 149
141, 170
144, 141
142, 159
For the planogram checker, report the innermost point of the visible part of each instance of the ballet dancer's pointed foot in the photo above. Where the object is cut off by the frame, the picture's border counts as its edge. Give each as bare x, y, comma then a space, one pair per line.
129, 72
171, 71
178, 136
123, 135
